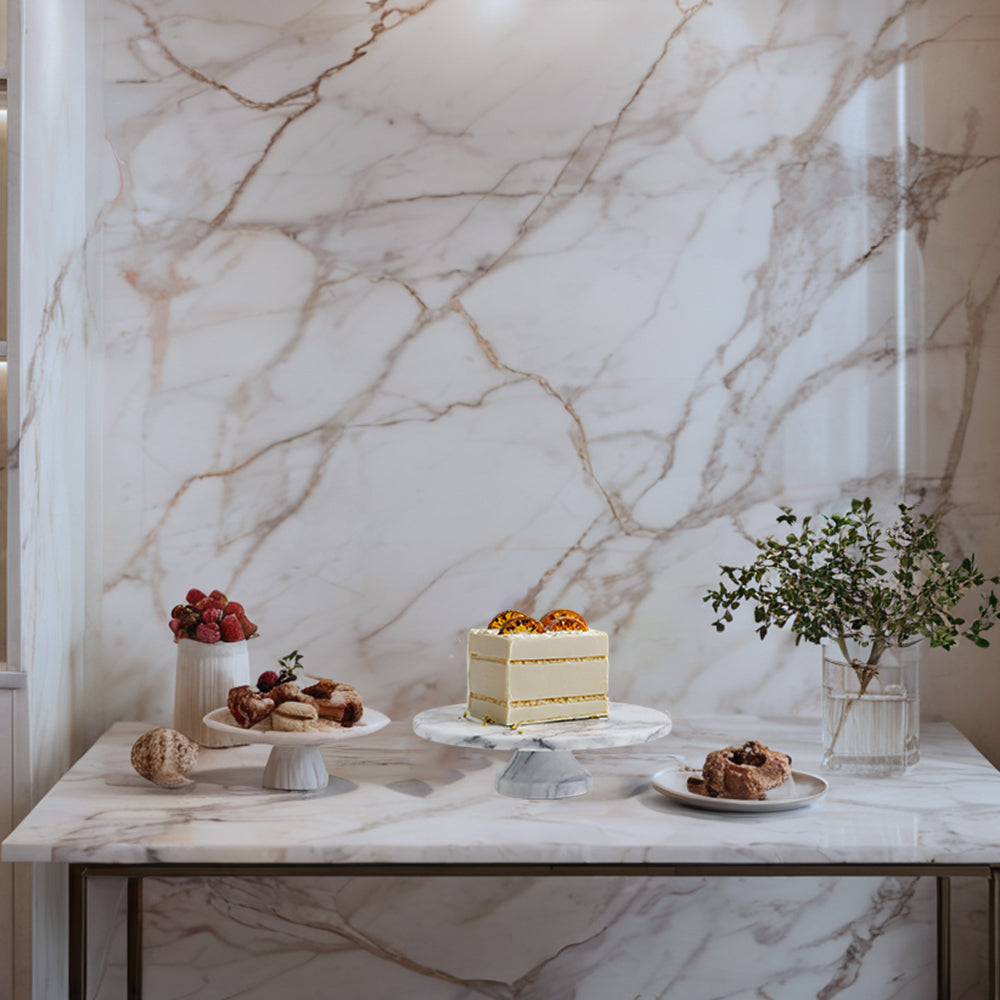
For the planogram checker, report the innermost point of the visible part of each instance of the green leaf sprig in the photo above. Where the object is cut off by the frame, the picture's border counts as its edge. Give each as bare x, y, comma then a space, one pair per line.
846, 578
290, 665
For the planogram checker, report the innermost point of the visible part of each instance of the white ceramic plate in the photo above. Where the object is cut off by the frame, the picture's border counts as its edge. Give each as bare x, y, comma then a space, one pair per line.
221, 719
801, 789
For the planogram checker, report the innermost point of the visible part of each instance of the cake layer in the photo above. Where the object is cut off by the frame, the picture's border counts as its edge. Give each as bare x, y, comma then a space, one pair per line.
551, 710
489, 644
535, 677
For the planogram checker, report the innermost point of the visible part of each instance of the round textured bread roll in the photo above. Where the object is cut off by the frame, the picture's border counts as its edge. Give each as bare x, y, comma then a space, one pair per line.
294, 717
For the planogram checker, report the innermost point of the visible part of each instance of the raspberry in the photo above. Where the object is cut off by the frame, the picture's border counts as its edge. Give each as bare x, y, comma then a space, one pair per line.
248, 627
232, 608
194, 596
230, 629
211, 614
175, 624
218, 595
207, 632
213, 605
266, 681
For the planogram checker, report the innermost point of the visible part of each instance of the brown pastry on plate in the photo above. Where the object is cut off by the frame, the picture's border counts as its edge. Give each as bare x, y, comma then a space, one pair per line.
746, 772
336, 701
295, 717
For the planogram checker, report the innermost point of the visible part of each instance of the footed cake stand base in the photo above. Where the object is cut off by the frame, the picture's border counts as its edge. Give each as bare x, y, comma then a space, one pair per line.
544, 774
296, 769
295, 763
543, 765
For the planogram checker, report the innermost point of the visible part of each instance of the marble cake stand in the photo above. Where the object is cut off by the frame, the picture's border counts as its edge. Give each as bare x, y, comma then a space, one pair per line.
543, 765
295, 763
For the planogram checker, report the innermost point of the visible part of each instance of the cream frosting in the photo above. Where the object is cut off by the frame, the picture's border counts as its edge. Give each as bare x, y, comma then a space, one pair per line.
525, 677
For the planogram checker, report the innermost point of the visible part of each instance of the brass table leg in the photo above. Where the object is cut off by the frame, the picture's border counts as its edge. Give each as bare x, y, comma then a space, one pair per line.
77, 932
944, 937
134, 939
993, 929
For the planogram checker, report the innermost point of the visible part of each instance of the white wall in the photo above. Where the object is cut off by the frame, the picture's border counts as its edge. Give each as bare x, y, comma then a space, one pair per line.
47, 385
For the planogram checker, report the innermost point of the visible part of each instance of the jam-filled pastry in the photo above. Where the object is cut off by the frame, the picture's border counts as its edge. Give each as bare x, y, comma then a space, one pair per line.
746, 772
248, 707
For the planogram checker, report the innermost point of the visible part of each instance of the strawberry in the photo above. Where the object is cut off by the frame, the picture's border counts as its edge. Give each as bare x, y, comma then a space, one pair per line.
266, 681
248, 627
175, 624
194, 596
207, 632
211, 614
230, 629
232, 608
218, 595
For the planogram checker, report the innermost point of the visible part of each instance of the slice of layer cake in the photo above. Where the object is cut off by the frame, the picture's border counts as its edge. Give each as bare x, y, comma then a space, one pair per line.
522, 676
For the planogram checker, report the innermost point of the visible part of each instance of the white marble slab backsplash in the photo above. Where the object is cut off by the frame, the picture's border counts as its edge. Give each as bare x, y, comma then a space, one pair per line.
415, 313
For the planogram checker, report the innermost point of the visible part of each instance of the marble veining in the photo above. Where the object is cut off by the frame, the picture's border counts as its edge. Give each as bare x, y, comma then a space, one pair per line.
655, 272
827, 936
944, 810
543, 766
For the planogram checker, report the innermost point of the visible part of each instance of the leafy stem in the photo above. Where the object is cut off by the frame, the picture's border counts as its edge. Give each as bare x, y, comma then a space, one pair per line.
848, 579
290, 665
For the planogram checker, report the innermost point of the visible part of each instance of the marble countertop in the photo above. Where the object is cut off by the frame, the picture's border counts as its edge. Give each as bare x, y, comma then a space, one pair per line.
393, 797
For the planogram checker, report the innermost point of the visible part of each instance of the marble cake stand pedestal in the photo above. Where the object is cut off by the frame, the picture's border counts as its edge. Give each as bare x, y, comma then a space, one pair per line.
543, 765
295, 763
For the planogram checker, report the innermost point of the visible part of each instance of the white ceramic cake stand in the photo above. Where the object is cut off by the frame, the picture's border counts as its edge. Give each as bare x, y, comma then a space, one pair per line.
543, 765
295, 763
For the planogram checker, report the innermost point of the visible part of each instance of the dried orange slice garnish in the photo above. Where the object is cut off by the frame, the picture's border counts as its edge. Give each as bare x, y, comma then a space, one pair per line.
563, 613
522, 624
565, 624
504, 617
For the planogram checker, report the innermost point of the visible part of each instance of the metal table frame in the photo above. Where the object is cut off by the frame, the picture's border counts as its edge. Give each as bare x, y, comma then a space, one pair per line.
79, 874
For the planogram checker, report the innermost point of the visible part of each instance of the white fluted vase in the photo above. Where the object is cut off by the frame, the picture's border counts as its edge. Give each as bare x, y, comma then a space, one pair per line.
205, 673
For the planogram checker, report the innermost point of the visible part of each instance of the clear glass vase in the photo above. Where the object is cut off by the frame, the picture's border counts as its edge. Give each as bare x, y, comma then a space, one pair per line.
871, 715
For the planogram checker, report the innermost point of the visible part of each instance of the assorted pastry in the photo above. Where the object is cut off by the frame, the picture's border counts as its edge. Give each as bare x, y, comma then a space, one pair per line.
279, 702
745, 772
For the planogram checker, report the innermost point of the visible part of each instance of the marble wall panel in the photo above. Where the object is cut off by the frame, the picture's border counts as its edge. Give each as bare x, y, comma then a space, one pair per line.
414, 313
586, 939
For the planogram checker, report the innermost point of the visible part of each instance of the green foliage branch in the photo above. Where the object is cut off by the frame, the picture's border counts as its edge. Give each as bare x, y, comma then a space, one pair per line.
846, 578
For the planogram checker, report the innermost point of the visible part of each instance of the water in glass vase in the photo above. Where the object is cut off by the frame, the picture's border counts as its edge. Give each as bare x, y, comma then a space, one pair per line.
871, 727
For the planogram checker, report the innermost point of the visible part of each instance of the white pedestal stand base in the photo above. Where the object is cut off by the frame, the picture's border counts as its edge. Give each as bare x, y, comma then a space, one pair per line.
543, 765
297, 769
295, 763
544, 774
